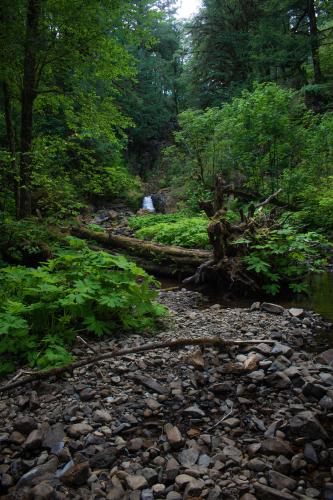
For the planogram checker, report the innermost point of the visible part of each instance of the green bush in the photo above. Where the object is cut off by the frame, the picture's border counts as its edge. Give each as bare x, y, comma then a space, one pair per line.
42, 310
284, 257
174, 229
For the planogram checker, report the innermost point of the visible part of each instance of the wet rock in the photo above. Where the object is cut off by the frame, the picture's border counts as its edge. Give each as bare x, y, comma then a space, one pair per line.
77, 475
25, 424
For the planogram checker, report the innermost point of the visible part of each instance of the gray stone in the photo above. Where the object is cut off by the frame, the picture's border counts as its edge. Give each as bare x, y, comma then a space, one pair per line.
326, 357
315, 390
305, 424
273, 446
183, 479
221, 388
278, 380
296, 312
188, 457
44, 491
272, 308
151, 475
280, 481
257, 376
147, 495
32, 477
136, 482
194, 411
173, 436
232, 453
282, 349
34, 440
264, 492
256, 465
102, 416
282, 464
194, 488
103, 459
24, 424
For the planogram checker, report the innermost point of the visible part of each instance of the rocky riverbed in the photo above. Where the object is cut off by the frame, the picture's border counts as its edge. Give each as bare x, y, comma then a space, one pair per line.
251, 423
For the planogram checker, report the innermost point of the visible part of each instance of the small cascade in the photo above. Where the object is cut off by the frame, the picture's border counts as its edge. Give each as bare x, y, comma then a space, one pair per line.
148, 204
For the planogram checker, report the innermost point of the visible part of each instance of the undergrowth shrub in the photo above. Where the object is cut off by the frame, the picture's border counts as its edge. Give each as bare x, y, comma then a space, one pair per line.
284, 257
174, 229
42, 309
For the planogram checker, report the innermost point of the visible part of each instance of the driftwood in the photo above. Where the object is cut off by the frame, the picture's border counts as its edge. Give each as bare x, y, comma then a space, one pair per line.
227, 268
153, 257
116, 353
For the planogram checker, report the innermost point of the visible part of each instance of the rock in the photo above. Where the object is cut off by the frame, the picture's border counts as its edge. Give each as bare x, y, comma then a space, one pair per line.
282, 464
257, 376
187, 458
183, 479
76, 475
231, 422
251, 362
171, 469
158, 489
53, 438
310, 453
194, 411
135, 444
151, 475
147, 495
326, 403
315, 390
17, 438
196, 359
173, 436
77, 430
296, 312
256, 465
44, 491
32, 477
151, 384
326, 357
104, 459
173, 495
194, 488
272, 308
272, 446
305, 424
136, 482
264, 492
221, 388
280, 481
34, 440
102, 416
87, 394
232, 453
152, 404
25, 424
278, 380
282, 349
248, 496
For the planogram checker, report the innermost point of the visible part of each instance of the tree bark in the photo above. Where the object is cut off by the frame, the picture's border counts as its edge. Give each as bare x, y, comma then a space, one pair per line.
11, 140
28, 98
314, 41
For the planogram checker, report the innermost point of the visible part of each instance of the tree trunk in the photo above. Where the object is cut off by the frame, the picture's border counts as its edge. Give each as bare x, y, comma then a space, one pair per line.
314, 41
11, 142
28, 97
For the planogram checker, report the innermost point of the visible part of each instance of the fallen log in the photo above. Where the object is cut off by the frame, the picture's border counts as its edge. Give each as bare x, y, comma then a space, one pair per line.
116, 353
165, 259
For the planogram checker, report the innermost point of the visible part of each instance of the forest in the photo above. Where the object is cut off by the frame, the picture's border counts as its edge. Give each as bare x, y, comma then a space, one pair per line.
225, 118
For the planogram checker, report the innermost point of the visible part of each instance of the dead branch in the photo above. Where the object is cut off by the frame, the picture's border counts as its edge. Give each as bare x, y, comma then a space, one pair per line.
115, 353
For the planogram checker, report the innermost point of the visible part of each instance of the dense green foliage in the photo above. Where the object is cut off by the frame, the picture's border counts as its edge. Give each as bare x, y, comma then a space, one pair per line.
43, 309
180, 230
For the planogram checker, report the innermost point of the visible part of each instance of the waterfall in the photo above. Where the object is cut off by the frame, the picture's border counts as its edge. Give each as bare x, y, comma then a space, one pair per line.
147, 204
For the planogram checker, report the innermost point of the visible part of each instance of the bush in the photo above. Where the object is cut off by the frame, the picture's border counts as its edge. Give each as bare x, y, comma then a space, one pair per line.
42, 310
284, 257
174, 229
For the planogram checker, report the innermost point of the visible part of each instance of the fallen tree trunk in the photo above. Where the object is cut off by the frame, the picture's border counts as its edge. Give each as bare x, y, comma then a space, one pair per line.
152, 346
164, 259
